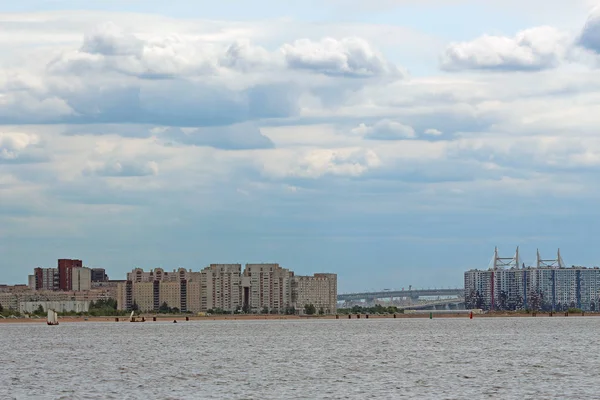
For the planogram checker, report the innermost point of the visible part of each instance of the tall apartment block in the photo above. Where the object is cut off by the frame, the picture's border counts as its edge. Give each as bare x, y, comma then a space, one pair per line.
44, 279
221, 287
81, 279
65, 273
149, 290
549, 286
319, 290
267, 287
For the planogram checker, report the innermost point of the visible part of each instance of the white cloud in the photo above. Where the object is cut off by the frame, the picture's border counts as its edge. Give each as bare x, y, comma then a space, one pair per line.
433, 132
385, 130
122, 169
352, 57
165, 103
530, 50
317, 163
13, 145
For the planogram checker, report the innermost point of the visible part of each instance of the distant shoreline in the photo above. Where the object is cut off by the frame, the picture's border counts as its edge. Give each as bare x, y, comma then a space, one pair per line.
182, 318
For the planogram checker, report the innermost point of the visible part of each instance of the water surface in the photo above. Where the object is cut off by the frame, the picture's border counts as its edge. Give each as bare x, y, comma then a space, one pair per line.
445, 358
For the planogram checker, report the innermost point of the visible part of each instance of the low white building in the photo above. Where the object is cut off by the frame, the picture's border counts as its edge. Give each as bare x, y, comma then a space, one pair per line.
28, 307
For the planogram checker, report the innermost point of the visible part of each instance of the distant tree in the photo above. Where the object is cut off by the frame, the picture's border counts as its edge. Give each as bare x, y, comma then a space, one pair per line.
164, 308
290, 311
309, 309
479, 300
274, 311
321, 311
503, 301
39, 310
135, 307
175, 310
246, 308
265, 310
1, 308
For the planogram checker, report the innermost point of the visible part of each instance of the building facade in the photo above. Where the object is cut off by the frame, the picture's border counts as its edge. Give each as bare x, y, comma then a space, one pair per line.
319, 290
12, 299
28, 307
549, 286
149, 291
99, 275
159, 274
45, 279
224, 288
221, 287
81, 279
267, 288
65, 272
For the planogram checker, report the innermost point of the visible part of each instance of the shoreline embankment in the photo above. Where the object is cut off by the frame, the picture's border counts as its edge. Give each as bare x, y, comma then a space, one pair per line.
149, 318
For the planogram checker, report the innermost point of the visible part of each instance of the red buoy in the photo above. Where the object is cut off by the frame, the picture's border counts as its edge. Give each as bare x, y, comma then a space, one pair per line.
471, 315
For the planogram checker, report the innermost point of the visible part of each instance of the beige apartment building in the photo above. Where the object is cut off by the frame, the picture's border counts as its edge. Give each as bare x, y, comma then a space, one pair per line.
320, 290
179, 289
267, 287
221, 287
159, 274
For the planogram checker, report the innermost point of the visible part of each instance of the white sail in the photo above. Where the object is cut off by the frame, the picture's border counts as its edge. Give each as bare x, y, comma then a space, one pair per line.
52, 317
131, 316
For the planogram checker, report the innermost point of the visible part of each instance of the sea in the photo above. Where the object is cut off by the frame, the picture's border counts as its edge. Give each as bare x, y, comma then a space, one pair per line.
439, 358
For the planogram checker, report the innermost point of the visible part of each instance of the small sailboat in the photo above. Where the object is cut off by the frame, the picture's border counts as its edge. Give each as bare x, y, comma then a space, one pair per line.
132, 318
52, 317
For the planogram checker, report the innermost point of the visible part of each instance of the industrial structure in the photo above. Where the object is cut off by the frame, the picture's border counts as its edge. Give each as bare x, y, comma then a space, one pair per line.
548, 286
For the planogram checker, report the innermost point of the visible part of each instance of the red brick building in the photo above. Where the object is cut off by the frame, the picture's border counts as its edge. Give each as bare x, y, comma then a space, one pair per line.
65, 272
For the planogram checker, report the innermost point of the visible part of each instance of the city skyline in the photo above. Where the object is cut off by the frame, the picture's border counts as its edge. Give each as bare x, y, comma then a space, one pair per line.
388, 141
506, 259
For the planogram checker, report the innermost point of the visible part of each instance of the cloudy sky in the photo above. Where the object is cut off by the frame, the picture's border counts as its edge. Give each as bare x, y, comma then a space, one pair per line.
394, 142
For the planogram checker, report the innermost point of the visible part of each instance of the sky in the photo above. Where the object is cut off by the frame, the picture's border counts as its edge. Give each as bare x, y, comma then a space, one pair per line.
393, 142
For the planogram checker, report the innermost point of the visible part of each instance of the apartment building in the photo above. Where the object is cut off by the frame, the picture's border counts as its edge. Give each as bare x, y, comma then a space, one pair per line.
81, 279
44, 279
221, 287
159, 274
319, 290
65, 272
180, 289
544, 288
267, 287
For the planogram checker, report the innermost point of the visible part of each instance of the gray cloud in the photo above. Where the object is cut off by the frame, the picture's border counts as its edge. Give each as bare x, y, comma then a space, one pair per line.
180, 103
234, 137
110, 40
590, 35
530, 50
